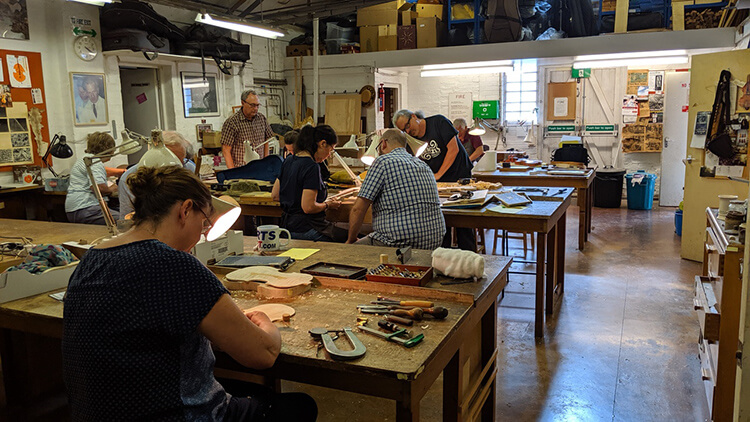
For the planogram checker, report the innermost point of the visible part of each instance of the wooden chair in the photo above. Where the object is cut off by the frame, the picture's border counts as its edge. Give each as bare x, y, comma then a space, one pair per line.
505, 235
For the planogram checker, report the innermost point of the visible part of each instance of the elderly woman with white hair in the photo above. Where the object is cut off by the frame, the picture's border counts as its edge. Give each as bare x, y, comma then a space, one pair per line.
179, 146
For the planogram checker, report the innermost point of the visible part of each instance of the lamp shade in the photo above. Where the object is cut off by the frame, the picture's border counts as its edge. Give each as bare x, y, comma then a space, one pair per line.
372, 151
159, 156
61, 149
477, 129
415, 144
226, 212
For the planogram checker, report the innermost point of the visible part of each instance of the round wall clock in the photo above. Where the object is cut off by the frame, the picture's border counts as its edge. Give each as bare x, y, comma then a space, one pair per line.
85, 48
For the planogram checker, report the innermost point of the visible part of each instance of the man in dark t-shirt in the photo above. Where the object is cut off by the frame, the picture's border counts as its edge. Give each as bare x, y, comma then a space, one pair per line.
444, 154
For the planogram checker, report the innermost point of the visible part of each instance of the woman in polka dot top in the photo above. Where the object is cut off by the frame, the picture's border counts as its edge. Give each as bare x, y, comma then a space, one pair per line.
141, 314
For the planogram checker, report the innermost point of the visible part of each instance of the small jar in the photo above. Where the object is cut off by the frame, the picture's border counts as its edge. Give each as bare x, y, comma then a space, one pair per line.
737, 205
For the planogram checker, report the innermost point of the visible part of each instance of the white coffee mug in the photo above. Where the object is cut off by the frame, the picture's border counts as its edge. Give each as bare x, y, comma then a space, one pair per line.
269, 237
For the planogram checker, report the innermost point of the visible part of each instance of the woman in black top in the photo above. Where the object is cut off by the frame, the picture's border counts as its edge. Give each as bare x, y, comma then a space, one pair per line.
300, 188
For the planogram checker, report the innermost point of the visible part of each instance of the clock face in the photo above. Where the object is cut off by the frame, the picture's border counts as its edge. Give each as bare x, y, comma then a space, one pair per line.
85, 48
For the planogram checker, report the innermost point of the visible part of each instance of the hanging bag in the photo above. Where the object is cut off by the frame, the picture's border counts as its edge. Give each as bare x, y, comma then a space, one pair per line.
718, 140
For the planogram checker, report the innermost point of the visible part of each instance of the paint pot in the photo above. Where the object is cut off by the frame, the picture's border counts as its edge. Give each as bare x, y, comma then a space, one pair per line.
724, 204
488, 162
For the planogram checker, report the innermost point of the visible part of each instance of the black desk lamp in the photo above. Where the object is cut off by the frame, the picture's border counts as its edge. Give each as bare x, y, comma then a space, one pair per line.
59, 148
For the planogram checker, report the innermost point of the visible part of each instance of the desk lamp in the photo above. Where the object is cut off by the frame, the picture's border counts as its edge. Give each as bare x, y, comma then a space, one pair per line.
59, 148
128, 146
481, 123
357, 181
158, 154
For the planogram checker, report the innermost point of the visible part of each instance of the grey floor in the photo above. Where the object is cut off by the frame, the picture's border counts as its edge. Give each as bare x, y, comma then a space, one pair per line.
620, 347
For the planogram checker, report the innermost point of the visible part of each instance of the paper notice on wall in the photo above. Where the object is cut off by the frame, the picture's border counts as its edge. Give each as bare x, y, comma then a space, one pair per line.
729, 171
461, 107
711, 160
698, 141
36, 95
656, 80
2, 74
18, 71
561, 106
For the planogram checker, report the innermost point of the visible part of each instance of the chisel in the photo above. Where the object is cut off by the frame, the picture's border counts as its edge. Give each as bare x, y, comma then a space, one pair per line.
415, 303
389, 326
394, 336
437, 312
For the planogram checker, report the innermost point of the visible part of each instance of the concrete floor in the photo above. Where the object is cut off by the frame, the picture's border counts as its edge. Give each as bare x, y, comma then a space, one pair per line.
622, 345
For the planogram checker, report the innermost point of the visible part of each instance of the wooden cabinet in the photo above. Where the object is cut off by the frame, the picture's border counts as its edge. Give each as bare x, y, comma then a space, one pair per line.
717, 302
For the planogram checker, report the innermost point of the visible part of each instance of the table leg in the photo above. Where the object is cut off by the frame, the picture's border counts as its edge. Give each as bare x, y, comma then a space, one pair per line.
489, 345
407, 410
541, 248
589, 208
560, 259
551, 267
582, 204
451, 388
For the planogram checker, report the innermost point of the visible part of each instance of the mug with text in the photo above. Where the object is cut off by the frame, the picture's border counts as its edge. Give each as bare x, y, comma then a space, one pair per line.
269, 237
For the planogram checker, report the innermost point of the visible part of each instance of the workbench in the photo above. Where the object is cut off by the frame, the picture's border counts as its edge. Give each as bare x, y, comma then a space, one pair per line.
545, 217
582, 183
464, 342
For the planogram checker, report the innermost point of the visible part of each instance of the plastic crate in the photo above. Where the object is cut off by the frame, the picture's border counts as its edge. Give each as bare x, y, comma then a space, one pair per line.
336, 31
640, 195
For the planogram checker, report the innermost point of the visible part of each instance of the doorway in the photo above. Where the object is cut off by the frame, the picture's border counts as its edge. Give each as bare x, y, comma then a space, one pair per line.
140, 103
677, 87
389, 106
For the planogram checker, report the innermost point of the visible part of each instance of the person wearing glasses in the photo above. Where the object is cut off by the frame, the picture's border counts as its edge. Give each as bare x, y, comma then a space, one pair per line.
445, 155
248, 124
174, 142
404, 197
141, 315
300, 188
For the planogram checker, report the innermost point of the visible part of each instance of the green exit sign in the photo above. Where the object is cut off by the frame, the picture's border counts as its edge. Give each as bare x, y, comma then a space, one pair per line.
487, 109
600, 128
561, 128
581, 73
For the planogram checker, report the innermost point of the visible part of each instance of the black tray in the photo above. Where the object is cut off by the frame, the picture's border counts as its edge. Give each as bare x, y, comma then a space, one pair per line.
242, 261
329, 269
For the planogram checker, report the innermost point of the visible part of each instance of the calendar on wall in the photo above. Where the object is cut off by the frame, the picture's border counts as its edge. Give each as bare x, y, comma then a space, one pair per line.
15, 139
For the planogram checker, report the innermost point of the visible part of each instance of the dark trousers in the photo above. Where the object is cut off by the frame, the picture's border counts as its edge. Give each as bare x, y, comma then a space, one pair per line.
253, 402
466, 239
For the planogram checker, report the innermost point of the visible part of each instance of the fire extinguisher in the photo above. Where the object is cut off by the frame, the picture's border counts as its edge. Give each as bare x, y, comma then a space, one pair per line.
381, 98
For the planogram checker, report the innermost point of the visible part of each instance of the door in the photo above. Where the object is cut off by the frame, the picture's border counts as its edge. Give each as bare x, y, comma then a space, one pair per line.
675, 128
140, 103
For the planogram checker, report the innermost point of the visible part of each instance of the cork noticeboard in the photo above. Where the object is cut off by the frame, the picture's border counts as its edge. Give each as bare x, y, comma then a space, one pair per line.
343, 113
561, 101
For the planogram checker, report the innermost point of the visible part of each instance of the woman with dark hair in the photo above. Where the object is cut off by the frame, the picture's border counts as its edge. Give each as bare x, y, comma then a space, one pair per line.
141, 314
300, 187
81, 205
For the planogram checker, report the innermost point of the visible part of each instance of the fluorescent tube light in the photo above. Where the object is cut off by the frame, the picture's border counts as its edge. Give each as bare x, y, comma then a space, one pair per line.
470, 64
466, 71
238, 26
93, 2
644, 58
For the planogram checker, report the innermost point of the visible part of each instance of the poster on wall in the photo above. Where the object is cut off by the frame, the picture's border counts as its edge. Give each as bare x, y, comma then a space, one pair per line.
6, 100
15, 141
656, 80
18, 71
637, 79
200, 94
642, 138
14, 19
461, 106
89, 102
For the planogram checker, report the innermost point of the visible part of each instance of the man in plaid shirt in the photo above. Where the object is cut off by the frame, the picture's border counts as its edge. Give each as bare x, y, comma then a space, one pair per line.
406, 210
246, 125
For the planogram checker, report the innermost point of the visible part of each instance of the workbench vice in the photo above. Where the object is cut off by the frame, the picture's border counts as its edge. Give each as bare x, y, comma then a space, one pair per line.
322, 334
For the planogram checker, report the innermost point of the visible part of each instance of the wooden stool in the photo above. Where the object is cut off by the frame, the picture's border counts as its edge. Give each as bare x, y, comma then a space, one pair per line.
504, 235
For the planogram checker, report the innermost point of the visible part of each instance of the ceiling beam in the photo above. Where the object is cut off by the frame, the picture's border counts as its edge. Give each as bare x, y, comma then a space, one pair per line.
250, 8
236, 6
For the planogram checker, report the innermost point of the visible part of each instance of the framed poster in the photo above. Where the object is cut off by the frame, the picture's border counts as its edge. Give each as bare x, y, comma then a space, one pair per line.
200, 96
14, 20
15, 139
88, 91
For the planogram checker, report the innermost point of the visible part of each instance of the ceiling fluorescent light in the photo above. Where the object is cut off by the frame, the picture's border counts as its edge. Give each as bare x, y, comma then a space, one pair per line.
466, 71
238, 26
471, 64
93, 2
631, 62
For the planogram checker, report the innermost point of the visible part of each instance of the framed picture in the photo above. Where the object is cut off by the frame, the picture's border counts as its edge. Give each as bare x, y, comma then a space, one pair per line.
200, 96
201, 128
89, 91
14, 20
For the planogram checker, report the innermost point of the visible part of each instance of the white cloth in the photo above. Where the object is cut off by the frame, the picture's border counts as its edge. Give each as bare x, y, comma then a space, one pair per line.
458, 263
85, 112
80, 194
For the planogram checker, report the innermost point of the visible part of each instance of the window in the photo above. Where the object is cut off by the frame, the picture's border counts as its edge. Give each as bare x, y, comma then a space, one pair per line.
520, 93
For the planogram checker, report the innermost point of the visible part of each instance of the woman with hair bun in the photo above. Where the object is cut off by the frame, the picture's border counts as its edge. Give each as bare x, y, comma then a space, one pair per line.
300, 188
141, 314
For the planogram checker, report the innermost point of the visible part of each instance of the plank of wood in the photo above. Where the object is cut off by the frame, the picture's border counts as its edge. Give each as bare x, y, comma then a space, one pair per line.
270, 276
343, 113
275, 311
274, 293
621, 16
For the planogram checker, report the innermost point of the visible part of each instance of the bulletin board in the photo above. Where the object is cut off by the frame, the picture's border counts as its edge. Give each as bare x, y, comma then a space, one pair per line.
23, 95
561, 101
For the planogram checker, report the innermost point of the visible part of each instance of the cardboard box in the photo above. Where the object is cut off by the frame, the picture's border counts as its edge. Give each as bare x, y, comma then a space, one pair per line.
20, 284
303, 50
408, 17
230, 243
429, 32
430, 10
212, 139
387, 38
368, 39
381, 14
407, 37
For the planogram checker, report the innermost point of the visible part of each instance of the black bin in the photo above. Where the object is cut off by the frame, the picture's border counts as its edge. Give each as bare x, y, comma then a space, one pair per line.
608, 188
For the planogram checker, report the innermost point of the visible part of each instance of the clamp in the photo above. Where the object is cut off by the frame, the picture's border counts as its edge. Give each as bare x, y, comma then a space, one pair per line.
321, 334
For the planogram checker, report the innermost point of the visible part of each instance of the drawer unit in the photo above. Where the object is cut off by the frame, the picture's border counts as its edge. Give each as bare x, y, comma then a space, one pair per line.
705, 305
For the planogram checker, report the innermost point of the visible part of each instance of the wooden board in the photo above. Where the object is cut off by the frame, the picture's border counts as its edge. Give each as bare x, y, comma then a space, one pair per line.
561, 90
270, 276
275, 311
274, 293
343, 113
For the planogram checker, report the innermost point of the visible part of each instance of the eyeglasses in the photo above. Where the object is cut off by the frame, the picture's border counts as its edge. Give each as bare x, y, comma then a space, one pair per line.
207, 225
252, 105
408, 124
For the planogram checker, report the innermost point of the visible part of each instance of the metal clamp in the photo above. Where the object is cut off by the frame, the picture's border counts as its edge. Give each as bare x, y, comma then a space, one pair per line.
322, 334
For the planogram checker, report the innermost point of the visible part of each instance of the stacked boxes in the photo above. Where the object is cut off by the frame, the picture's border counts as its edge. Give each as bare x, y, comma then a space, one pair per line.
379, 28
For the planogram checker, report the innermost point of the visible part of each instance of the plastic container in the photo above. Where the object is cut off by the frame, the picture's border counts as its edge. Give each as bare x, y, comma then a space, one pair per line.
335, 31
333, 45
678, 222
608, 188
640, 195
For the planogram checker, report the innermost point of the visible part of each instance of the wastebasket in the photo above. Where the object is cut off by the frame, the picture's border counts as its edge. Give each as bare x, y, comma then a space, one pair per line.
640, 188
678, 222
608, 188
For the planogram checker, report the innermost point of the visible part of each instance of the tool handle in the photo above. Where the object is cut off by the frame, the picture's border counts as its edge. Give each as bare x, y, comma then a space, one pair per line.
399, 320
437, 312
417, 303
388, 326
414, 313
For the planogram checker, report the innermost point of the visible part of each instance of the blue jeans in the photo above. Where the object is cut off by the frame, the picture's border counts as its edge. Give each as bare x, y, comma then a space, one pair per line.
311, 234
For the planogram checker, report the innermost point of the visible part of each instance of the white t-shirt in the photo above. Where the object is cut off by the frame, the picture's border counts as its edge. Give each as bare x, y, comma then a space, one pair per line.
80, 195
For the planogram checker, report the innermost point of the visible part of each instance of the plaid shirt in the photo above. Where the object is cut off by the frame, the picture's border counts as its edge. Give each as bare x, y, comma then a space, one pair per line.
406, 208
238, 129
